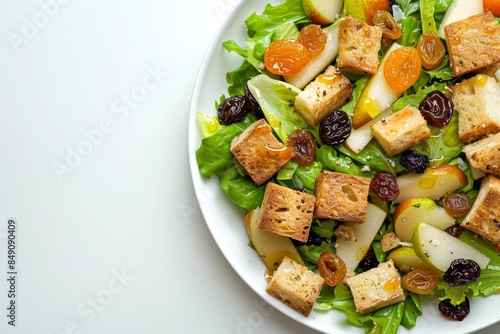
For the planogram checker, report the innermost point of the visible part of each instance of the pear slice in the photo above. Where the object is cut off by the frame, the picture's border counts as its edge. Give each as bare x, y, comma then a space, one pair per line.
405, 259
270, 247
319, 62
376, 96
322, 12
459, 10
439, 249
434, 183
353, 251
413, 211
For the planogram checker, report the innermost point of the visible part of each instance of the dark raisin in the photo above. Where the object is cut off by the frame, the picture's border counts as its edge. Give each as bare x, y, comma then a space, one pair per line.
303, 144
252, 103
455, 230
456, 204
312, 240
385, 186
462, 271
369, 261
436, 108
335, 128
232, 109
414, 161
450, 311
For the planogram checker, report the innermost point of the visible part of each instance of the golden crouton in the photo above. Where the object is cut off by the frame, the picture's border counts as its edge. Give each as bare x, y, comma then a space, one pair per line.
473, 43
359, 44
342, 197
328, 92
259, 152
376, 288
484, 154
484, 216
296, 286
400, 131
477, 101
390, 241
286, 212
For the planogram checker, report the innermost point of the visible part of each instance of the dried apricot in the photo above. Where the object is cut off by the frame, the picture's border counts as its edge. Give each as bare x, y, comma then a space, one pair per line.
286, 57
402, 68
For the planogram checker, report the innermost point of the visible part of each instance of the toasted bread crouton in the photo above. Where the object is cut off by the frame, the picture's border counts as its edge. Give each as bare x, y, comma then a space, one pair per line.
484, 154
473, 43
259, 152
296, 286
390, 241
376, 288
342, 197
401, 130
359, 44
329, 91
477, 101
484, 216
286, 212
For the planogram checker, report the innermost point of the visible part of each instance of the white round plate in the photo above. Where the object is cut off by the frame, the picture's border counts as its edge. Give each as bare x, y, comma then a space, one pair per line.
225, 219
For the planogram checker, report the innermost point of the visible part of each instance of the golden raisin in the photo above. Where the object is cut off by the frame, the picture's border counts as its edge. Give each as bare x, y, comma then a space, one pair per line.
431, 50
456, 204
421, 281
332, 268
313, 38
390, 28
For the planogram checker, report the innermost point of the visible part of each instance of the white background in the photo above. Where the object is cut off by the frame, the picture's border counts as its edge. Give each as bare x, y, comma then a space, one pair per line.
94, 104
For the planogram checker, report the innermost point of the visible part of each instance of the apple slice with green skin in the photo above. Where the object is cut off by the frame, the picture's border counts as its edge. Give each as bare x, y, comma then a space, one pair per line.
459, 10
322, 12
359, 138
413, 211
319, 62
434, 183
353, 251
365, 9
271, 247
405, 259
439, 249
376, 96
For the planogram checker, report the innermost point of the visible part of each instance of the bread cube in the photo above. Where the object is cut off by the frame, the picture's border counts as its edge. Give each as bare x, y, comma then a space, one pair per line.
484, 154
359, 44
342, 197
286, 212
259, 152
390, 241
328, 92
296, 286
477, 101
376, 288
401, 130
484, 216
473, 43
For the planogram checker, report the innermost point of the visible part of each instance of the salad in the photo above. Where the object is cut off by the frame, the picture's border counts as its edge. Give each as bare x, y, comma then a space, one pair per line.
272, 99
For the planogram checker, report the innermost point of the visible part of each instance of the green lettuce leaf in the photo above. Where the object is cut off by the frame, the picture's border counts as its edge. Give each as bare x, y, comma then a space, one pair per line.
276, 100
241, 190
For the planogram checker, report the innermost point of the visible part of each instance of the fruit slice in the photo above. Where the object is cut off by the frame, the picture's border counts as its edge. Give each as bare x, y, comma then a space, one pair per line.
413, 211
322, 12
352, 251
405, 259
270, 247
376, 96
434, 183
439, 249
359, 138
459, 10
365, 9
319, 62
